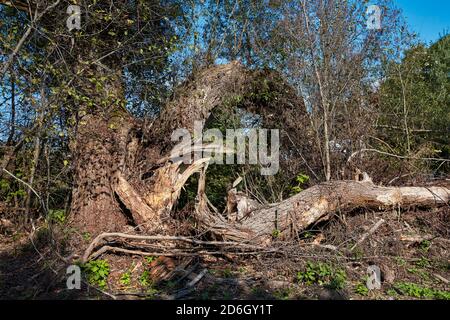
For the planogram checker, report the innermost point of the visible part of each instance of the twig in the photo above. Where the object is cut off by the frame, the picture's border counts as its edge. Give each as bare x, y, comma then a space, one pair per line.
29, 186
368, 233
189, 288
416, 238
197, 278
186, 273
301, 155
101, 291
394, 155
439, 277
180, 294
7, 64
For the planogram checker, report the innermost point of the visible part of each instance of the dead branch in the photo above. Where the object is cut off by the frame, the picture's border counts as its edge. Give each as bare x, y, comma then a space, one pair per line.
203, 244
354, 154
368, 233
173, 253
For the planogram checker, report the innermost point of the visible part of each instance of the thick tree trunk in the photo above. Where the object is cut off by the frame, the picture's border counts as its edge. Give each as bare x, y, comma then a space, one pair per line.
94, 204
120, 180
99, 153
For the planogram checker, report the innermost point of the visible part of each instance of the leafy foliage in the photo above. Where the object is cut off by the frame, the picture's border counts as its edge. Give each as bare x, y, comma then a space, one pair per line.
301, 179
150, 259
417, 291
144, 279
58, 216
361, 289
322, 274
125, 278
97, 272
414, 102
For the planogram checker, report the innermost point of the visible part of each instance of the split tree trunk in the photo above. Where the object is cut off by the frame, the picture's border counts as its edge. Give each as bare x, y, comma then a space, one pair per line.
119, 176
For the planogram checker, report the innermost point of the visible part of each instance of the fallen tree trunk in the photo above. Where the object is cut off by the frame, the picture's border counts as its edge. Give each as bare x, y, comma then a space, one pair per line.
254, 233
120, 180
122, 168
317, 203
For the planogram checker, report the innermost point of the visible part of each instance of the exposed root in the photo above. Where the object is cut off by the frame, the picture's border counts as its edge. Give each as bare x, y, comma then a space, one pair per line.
197, 247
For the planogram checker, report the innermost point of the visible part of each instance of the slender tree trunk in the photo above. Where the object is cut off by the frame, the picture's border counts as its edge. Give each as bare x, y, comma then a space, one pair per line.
327, 143
405, 112
12, 121
323, 97
37, 149
34, 164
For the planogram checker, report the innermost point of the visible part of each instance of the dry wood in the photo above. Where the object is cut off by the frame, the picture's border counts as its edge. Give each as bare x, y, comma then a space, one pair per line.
441, 278
99, 239
257, 228
318, 203
197, 278
416, 238
368, 233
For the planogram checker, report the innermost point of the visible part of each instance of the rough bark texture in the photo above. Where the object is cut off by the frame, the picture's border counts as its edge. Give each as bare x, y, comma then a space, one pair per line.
118, 180
94, 203
123, 175
318, 203
119, 175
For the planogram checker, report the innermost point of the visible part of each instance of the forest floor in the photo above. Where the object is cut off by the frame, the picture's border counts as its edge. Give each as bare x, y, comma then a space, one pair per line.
410, 248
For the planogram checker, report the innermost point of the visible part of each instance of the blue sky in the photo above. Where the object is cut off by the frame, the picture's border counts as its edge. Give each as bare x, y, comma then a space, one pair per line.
429, 18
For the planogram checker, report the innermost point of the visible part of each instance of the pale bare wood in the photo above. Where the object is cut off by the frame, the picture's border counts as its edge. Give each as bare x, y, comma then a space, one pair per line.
140, 211
368, 233
319, 203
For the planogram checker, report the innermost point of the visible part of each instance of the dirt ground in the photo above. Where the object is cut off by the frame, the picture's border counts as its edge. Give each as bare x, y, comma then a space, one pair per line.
329, 261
